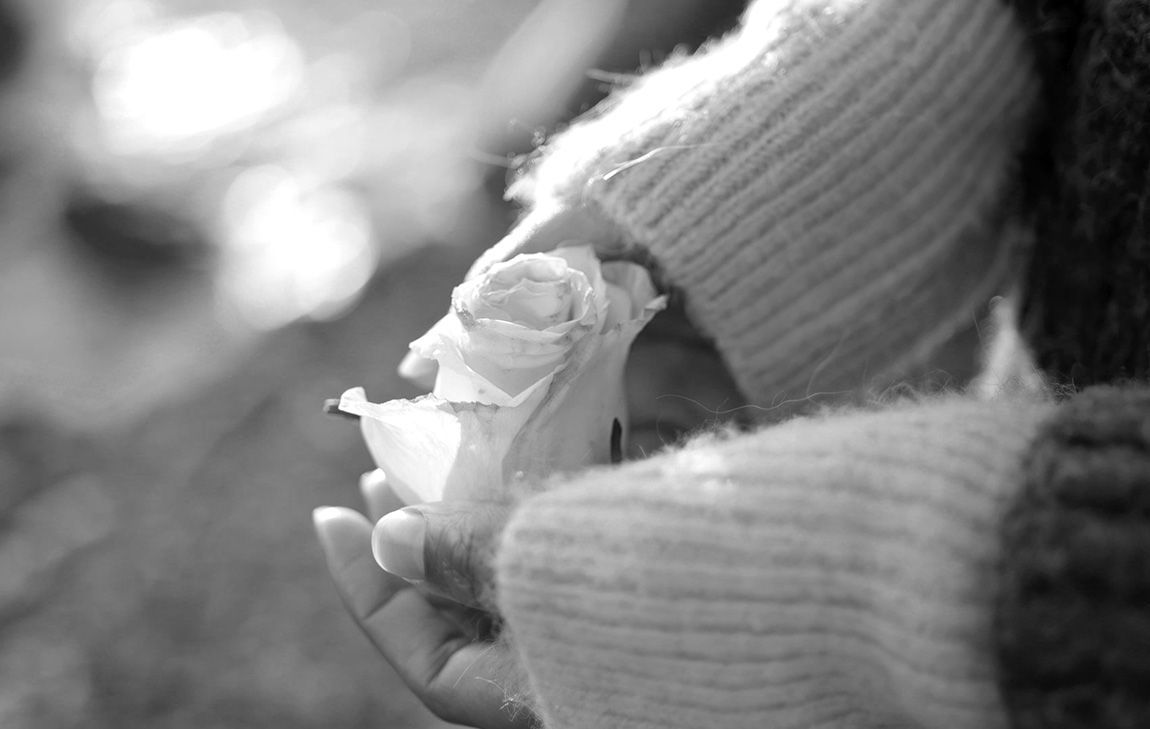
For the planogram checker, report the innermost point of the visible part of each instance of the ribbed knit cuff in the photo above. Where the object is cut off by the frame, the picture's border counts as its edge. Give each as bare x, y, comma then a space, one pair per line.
834, 572
1073, 618
827, 185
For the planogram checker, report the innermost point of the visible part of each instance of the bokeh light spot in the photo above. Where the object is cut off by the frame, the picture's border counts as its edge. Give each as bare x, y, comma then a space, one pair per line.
180, 86
292, 248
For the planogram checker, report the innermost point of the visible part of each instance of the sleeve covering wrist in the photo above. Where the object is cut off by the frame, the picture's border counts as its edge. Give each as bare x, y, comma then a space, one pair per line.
828, 186
835, 572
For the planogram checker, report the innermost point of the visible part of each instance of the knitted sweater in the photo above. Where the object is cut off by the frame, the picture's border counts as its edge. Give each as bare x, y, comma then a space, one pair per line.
1087, 311
827, 186
829, 572
830, 188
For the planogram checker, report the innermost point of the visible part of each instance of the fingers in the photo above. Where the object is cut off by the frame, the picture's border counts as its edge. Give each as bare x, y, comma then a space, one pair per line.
344, 536
377, 495
546, 228
448, 545
380, 501
459, 680
452, 561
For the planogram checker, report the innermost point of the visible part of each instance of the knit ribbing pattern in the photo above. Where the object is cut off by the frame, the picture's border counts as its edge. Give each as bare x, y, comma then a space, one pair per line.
823, 573
1072, 620
826, 185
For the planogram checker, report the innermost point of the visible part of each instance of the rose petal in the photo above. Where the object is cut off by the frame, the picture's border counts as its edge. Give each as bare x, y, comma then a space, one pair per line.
522, 338
530, 266
415, 442
532, 304
431, 449
484, 295
536, 306
582, 258
454, 379
458, 382
501, 359
572, 427
482, 469
636, 281
513, 397
418, 366
619, 308
513, 351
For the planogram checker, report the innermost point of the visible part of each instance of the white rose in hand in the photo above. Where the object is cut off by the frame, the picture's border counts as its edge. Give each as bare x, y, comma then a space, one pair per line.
529, 379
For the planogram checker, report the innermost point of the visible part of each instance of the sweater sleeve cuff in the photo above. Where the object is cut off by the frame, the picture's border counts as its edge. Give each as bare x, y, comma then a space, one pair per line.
819, 569
1073, 614
804, 181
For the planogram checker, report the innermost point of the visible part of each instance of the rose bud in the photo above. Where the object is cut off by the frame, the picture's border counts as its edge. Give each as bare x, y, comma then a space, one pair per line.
528, 378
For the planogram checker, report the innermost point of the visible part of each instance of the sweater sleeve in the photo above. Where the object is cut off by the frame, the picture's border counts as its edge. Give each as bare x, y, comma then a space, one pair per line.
827, 185
826, 572
1073, 614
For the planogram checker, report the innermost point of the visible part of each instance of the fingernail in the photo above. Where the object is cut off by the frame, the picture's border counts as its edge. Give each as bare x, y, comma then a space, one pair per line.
397, 543
372, 485
372, 479
321, 515
319, 518
418, 369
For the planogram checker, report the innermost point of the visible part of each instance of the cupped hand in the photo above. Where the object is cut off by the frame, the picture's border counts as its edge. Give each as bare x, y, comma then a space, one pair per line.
431, 618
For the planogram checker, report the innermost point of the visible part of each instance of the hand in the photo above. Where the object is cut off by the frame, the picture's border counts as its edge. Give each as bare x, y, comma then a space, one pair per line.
547, 227
428, 626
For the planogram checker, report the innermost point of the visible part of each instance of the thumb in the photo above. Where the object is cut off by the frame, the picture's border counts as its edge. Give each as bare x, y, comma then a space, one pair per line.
547, 227
447, 546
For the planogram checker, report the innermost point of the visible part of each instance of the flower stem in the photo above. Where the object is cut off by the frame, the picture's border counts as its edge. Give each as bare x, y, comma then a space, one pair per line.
331, 407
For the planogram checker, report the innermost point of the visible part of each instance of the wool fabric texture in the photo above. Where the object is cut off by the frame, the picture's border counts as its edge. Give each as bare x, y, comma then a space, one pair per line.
1090, 281
829, 184
827, 572
1088, 304
1073, 608
830, 187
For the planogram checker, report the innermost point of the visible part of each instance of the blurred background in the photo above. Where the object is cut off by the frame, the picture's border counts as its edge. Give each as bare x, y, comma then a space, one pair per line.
214, 215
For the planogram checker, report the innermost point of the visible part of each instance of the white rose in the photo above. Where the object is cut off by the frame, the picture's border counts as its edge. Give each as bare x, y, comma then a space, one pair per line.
529, 378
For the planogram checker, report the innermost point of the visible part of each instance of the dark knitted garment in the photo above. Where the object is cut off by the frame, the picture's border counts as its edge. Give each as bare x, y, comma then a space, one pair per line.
1073, 616
1087, 313
1073, 620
